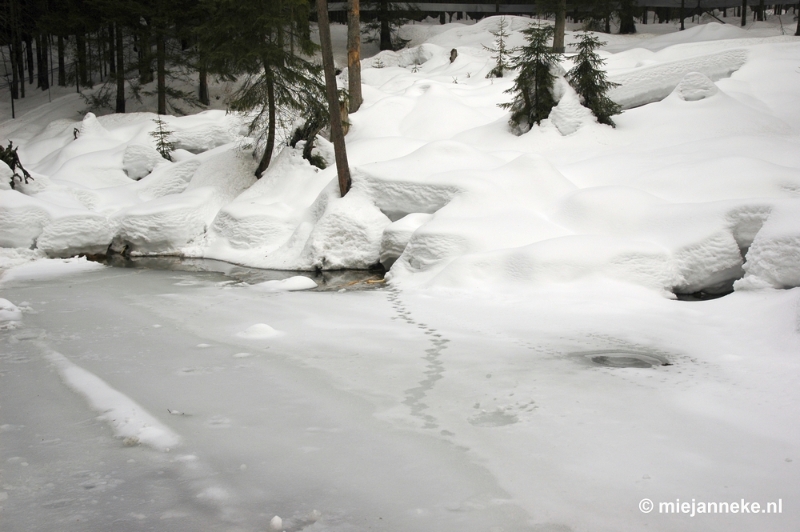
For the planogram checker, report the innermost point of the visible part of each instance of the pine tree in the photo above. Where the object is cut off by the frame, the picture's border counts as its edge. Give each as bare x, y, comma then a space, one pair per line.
533, 88
257, 42
590, 81
500, 51
162, 136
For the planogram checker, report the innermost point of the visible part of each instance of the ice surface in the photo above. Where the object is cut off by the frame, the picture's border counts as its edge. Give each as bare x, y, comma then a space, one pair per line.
397, 408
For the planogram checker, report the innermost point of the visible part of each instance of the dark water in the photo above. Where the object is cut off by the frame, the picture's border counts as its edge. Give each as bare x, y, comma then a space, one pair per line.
326, 280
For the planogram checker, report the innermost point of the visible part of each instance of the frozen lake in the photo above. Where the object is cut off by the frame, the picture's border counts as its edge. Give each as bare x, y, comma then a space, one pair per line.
389, 410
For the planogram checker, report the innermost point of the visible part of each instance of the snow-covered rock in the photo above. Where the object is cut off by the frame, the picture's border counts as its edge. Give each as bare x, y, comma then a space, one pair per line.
139, 160
695, 86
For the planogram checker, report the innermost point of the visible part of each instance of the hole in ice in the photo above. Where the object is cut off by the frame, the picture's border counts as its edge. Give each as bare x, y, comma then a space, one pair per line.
621, 362
624, 359
497, 418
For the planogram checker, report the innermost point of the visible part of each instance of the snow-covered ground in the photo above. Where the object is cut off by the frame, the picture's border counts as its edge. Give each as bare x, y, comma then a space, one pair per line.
479, 388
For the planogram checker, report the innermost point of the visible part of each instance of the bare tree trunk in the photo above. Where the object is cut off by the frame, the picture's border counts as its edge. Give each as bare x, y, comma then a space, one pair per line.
267, 157
560, 26
145, 58
14, 75
62, 68
203, 89
354, 54
20, 67
161, 59
337, 136
797, 32
744, 13
112, 50
80, 43
41, 62
120, 70
29, 56
682, 15
386, 31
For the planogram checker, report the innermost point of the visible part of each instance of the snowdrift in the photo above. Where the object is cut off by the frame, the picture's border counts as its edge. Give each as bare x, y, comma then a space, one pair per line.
697, 187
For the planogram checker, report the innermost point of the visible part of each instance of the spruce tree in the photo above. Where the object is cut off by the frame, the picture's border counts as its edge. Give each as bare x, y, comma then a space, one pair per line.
500, 51
590, 81
162, 137
257, 42
533, 88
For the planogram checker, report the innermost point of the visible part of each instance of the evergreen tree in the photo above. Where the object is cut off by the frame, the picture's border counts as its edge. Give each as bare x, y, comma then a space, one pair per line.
257, 42
533, 88
162, 136
590, 81
500, 51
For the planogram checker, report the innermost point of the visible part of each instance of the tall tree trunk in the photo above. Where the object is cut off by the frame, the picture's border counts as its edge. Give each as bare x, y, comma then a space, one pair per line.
626, 23
560, 26
386, 30
120, 70
20, 66
797, 31
267, 157
145, 59
161, 60
761, 9
29, 56
14, 76
202, 93
112, 51
744, 13
80, 44
354, 54
62, 67
41, 56
337, 135
682, 14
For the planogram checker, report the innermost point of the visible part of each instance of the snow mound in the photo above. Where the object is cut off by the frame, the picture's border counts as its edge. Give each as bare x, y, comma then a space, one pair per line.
259, 331
10, 315
653, 83
201, 138
397, 235
298, 282
168, 179
347, 234
773, 259
695, 86
91, 127
139, 160
130, 422
569, 115
170, 224
88, 233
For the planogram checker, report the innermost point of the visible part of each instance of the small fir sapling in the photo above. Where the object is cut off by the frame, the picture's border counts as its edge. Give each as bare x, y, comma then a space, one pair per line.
533, 88
500, 51
591, 82
162, 137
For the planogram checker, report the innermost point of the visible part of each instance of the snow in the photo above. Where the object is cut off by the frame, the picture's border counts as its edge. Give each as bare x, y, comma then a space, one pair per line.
129, 420
10, 314
685, 197
480, 386
298, 282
